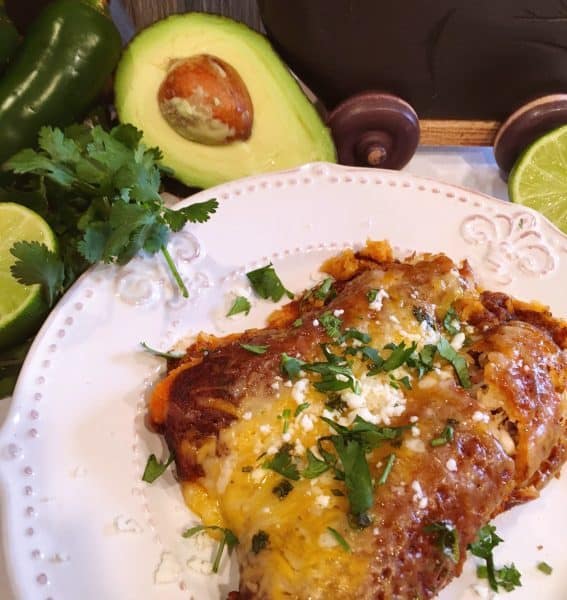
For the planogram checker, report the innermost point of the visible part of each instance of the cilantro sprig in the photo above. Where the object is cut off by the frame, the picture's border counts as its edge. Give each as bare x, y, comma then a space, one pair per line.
155, 469
228, 539
283, 464
350, 447
507, 577
100, 192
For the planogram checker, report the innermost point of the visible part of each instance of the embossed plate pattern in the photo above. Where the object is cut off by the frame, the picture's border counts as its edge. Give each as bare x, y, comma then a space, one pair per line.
79, 523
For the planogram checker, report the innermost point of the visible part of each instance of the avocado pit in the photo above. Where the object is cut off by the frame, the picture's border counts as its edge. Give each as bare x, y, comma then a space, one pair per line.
205, 100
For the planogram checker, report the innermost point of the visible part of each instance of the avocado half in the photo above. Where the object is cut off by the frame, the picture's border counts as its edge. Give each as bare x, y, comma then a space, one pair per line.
287, 130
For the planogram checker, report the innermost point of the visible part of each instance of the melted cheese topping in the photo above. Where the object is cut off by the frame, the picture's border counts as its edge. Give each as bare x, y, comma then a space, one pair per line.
237, 490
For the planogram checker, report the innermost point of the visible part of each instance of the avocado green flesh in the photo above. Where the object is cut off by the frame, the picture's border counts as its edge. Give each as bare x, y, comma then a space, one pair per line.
287, 130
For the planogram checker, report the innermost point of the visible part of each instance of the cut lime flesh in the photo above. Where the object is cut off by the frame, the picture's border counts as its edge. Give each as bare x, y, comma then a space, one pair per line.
21, 306
539, 177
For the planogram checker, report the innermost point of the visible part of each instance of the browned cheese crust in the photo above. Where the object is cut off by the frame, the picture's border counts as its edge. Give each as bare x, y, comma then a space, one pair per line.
509, 434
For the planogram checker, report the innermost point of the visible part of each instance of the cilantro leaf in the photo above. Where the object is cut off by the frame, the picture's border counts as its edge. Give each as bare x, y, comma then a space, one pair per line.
228, 539
399, 355
37, 264
254, 348
451, 322
446, 538
315, 467
259, 541
267, 284
161, 354
282, 489
240, 304
331, 324
291, 366
283, 464
358, 480
155, 469
457, 361
325, 291
198, 212
446, 436
339, 538
387, 469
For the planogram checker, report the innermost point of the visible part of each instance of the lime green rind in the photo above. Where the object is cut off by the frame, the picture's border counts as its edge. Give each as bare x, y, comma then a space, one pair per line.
22, 308
204, 176
539, 178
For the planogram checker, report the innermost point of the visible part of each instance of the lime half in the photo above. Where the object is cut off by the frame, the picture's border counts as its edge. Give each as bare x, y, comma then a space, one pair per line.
539, 177
22, 307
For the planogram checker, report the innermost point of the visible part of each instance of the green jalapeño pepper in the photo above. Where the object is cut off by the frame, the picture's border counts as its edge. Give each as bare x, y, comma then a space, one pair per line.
65, 60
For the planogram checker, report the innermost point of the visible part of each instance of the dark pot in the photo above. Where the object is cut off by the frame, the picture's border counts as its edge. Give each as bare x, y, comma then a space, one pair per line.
450, 59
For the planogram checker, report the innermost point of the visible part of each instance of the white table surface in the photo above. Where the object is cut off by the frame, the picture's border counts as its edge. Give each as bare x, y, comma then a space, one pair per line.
472, 168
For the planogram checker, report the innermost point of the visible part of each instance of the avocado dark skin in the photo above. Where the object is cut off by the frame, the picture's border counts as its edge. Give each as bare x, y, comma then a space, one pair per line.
450, 59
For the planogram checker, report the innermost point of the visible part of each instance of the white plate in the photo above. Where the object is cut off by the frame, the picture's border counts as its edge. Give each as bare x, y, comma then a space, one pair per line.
78, 521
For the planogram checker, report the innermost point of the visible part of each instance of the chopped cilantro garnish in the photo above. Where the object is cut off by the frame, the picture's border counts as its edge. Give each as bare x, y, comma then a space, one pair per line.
283, 464
507, 577
282, 489
267, 284
254, 349
155, 469
286, 414
240, 304
545, 568
325, 291
399, 355
228, 539
405, 381
351, 446
372, 294
315, 467
331, 324
335, 402
485, 542
446, 436
451, 322
387, 469
354, 334
291, 366
340, 539
457, 361
168, 355
446, 538
300, 408
423, 361
297, 322
336, 373
259, 541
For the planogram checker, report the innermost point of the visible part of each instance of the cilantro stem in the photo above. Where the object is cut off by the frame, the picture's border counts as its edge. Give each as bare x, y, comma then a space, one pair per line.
387, 469
174, 272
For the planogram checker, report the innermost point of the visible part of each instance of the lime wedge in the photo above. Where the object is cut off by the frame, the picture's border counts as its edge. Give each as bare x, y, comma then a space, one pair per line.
539, 177
22, 307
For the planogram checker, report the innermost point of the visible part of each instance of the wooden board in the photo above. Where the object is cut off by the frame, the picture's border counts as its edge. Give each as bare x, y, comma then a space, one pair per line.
458, 133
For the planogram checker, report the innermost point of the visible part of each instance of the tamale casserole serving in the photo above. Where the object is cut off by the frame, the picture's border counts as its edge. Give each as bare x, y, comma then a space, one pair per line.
356, 445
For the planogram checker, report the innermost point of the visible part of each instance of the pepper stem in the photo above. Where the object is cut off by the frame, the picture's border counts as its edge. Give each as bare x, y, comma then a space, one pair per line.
174, 272
99, 5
